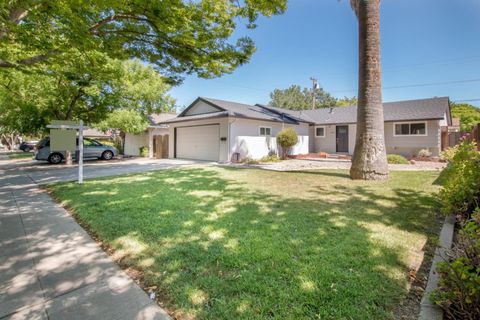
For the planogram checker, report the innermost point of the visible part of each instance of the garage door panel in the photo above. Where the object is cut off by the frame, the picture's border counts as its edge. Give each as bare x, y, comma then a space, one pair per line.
199, 142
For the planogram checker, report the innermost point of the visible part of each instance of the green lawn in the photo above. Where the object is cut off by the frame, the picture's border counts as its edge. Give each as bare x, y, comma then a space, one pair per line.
20, 155
223, 243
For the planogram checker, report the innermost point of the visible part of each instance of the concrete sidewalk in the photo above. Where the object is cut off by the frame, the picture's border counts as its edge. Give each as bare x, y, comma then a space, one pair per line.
51, 269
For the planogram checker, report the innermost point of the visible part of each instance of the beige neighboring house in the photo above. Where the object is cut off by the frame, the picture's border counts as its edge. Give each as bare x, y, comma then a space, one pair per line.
155, 137
224, 131
96, 134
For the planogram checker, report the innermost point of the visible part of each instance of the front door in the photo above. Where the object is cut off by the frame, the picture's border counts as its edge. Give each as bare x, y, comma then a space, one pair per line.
342, 139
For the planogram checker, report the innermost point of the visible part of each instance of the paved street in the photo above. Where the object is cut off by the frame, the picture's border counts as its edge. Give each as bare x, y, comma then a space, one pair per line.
50, 268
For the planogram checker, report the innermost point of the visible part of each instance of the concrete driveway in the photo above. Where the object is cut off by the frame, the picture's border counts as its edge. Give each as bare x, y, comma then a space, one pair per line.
50, 268
42, 172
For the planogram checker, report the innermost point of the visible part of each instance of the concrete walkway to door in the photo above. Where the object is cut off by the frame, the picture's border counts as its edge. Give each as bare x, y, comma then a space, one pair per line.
51, 269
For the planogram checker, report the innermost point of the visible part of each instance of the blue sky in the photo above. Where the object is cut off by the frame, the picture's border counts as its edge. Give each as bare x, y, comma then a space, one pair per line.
423, 42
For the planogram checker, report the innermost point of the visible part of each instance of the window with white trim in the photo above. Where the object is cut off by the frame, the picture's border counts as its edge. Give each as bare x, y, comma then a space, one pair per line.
410, 129
265, 131
320, 132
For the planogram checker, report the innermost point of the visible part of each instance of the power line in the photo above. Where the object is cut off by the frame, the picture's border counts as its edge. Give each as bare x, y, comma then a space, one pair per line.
468, 100
432, 84
428, 84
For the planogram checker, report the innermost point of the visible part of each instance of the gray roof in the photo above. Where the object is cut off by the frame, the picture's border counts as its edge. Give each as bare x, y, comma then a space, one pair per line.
157, 118
234, 109
421, 109
210, 115
92, 132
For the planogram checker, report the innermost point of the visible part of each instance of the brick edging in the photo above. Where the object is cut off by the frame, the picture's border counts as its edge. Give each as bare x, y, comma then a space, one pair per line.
429, 310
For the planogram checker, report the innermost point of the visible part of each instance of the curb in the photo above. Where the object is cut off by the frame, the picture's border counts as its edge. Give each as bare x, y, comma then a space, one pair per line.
429, 310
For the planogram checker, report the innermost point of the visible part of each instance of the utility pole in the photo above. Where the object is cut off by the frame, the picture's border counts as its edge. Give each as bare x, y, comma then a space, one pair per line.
314, 87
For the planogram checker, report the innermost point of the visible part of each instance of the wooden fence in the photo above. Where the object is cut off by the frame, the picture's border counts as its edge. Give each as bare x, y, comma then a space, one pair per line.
475, 135
451, 139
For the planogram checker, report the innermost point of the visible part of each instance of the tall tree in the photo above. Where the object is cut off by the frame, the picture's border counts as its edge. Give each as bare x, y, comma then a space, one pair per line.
296, 98
88, 88
369, 158
347, 102
124, 121
177, 36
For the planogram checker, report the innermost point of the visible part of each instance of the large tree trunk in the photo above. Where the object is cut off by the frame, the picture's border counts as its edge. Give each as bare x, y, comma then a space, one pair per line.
369, 158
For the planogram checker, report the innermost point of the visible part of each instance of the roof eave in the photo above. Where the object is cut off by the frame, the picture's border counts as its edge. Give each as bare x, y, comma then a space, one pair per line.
396, 120
182, 114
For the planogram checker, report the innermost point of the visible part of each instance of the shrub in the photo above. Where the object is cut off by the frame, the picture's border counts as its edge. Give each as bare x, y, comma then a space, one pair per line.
396, 159
144, 151
270, 158
287, 138
424, 153
458, 292
460, 193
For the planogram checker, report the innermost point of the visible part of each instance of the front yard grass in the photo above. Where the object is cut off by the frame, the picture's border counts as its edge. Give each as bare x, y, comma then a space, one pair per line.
224, 243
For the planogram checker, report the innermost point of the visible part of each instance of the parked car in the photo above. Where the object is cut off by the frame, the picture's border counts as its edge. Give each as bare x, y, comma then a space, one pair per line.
91, 149
27, 146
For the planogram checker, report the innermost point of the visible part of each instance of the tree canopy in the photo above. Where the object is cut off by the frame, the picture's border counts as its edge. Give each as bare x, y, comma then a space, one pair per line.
124, 120
88, 88
469, 115
176, 36
298, 98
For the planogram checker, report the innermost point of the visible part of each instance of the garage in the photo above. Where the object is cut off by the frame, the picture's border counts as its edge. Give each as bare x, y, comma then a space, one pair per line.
198, 142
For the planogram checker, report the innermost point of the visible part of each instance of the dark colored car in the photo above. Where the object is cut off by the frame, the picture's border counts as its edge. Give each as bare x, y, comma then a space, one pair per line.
27, 146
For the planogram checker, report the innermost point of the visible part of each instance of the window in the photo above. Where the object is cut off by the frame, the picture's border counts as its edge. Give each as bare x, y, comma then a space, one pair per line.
90, 143
410, 129
320, 132
265, 131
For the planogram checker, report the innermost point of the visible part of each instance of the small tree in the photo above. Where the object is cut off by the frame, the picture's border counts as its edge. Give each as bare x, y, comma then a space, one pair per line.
125, 121
287, 138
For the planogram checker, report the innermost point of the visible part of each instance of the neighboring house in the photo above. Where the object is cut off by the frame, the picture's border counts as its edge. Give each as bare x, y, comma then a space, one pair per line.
96, 134
155, 137
218, 130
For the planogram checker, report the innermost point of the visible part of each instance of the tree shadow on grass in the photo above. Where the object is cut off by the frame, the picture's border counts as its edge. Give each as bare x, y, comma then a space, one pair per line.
222, 250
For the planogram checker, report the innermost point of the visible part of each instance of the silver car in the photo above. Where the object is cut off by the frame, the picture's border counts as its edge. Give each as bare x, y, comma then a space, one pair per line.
91, 149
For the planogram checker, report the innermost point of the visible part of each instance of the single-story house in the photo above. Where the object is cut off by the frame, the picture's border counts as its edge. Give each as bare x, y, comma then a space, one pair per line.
155, 137
218, 130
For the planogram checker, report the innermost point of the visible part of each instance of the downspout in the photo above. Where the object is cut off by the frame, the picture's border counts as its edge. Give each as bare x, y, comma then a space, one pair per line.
229, 153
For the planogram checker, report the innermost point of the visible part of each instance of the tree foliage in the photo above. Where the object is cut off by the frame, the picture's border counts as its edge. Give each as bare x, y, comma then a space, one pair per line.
177, 36
88, 88
298, 98
347, 102
124, 120
469, 115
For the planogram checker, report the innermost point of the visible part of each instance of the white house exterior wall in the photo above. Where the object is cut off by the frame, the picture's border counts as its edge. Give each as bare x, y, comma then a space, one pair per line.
246, 139
133, 143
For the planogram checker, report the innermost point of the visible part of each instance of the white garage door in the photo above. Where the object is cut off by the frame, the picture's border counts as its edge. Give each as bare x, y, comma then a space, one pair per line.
200, 142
